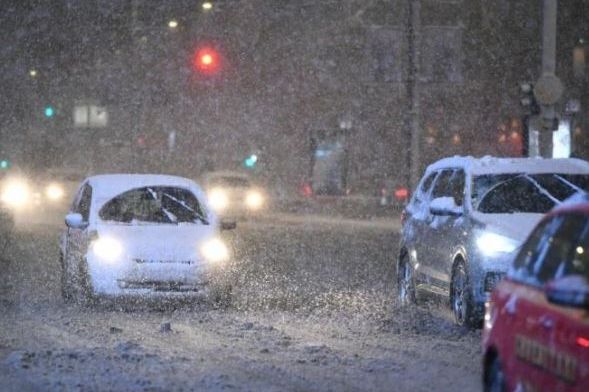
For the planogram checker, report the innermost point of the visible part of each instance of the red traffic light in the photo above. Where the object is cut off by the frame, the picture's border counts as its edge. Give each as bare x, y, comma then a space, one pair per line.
206, 60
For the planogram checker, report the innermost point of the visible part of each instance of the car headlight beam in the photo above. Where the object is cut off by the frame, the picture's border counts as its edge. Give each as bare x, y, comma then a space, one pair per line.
54, 192
218, 199
254, 200
16, 193
215, 251
107, 249
493, 243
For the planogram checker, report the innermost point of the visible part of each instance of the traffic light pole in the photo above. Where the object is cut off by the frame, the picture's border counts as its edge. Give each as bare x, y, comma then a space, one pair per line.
413, 38
548, 73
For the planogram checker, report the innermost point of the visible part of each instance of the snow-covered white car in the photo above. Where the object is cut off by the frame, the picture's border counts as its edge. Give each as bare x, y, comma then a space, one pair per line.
142, 235
467, 218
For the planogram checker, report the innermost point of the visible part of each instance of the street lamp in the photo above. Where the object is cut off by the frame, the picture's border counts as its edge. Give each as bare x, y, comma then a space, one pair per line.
207, 6
173, 24
33, 73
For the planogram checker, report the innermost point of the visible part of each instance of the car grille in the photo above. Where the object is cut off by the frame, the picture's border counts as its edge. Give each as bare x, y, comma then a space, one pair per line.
155, 261
157, 286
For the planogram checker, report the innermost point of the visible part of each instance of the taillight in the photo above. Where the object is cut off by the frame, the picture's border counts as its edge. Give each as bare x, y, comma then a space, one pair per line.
583, 341
401, 194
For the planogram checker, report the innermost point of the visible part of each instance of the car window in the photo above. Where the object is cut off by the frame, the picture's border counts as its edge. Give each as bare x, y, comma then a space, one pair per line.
155, 204
516, 195
442, 184
83, 205
532, 249
520, 192
456, 186
421, 195
556, 261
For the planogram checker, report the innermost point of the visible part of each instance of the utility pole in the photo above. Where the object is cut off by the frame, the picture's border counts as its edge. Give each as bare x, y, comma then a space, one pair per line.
548, 89
413, 107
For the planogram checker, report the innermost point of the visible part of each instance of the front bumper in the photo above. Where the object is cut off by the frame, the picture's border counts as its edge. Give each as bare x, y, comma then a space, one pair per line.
486, 273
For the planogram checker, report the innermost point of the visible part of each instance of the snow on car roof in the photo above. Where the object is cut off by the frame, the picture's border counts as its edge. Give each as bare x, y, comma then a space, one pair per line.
493, 165
110, 185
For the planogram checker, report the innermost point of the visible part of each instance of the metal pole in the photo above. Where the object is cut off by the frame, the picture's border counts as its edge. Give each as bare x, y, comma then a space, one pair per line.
548, 68
414, 43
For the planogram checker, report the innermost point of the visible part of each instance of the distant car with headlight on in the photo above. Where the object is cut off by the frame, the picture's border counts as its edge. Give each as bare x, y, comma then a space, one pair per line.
24, 192
134, 235
466, 220
233, 194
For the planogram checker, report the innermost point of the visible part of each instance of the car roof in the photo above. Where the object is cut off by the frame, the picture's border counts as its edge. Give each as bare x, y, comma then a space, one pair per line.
576, 204
110, 185
493, 165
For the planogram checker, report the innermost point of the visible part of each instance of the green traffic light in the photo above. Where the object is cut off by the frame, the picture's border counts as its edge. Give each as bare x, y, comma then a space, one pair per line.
4, 164
250, 162
49, 111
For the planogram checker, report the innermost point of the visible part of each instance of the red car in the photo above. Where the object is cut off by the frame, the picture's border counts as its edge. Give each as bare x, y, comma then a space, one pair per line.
536, 328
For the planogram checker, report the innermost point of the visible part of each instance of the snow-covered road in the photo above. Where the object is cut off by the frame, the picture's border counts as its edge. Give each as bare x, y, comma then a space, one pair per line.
314, 312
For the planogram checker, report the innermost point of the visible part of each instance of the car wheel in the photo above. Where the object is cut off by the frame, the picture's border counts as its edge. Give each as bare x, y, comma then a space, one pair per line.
406, 283
461, 297
494, 377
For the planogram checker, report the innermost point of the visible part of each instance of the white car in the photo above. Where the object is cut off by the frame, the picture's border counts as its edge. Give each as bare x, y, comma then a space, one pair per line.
142, 235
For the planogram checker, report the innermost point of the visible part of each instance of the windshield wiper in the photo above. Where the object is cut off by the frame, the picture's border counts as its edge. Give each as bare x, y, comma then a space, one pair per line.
196, 214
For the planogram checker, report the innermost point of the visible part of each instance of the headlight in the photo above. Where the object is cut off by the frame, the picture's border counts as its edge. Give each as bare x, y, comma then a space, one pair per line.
218, 199
215, 251
54, 192
492, 243
254, 200
16, 193
107, 249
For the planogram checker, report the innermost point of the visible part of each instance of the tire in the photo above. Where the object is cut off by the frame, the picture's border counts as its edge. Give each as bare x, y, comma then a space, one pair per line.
461, 300
86, 295
406, 283
494, 380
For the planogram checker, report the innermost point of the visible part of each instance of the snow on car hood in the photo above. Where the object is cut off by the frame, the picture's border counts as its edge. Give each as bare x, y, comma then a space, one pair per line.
516, 226
159, 243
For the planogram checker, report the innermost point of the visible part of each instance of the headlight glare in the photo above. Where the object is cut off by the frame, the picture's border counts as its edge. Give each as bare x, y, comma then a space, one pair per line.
107, 249
492, 244
254, 200
16, 193
54, 192
215, 251
218, 199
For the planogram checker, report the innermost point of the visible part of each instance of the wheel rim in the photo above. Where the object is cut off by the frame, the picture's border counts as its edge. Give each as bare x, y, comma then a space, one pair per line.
459, 302
405, 285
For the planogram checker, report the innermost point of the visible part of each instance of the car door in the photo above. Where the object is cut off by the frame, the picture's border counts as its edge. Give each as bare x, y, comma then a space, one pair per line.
415, 227
569, 340
433, 240
526, 311
77, 238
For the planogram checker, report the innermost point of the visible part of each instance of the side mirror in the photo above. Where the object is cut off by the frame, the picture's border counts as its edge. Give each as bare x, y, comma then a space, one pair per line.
228, 224
571, 291
75, 221
445, 206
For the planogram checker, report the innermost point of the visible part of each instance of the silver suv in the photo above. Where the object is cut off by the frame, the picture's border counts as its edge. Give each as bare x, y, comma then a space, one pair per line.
466, 219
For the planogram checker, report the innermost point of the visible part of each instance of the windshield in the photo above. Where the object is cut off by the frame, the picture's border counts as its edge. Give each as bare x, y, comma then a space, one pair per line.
154, 205
531, 193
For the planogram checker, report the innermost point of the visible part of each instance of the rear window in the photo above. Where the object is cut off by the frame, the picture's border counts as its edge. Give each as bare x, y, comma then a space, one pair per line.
161, 205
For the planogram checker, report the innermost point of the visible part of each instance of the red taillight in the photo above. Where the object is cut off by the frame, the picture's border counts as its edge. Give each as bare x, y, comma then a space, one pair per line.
401, 193
583, 342
307, 190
